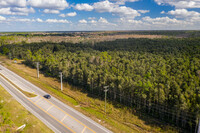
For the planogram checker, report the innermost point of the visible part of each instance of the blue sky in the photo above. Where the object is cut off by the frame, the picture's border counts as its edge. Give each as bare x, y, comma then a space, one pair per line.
78, 15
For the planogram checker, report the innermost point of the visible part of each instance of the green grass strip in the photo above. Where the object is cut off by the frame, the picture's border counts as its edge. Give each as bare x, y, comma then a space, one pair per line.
28, 94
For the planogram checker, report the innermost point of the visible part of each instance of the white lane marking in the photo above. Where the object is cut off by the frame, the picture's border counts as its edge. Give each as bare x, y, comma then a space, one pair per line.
28, 108
38, 100
69, 115
83, 130
67, 107
64, 118
49, 108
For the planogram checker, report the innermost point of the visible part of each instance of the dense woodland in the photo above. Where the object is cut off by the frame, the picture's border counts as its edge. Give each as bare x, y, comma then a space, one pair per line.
142, 73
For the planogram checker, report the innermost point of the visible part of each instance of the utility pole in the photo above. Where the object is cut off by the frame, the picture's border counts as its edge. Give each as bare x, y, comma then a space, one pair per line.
10, 56
92, 85
61, 85
38, 69
106, 90
198, 128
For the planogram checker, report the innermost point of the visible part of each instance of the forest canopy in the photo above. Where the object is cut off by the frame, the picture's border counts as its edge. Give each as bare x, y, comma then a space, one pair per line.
159, 71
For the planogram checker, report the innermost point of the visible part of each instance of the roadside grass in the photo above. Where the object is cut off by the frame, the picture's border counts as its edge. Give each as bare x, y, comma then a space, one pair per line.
14, 115
118, 118
28, 94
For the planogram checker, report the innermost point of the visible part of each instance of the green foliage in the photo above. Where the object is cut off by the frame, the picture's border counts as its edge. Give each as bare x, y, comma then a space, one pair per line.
5, 123
5, 50
164, 71
6, 40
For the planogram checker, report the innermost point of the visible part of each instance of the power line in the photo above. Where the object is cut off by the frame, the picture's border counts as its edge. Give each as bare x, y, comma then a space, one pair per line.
106, 90
38, 69
61, 85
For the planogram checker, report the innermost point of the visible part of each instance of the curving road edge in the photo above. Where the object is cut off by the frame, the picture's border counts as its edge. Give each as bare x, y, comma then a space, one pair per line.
55, 114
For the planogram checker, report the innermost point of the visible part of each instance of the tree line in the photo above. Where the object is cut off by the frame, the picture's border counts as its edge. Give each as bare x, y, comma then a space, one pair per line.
142, 73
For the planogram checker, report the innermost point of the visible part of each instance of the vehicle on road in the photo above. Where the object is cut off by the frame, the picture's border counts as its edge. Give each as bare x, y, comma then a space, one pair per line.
47, 96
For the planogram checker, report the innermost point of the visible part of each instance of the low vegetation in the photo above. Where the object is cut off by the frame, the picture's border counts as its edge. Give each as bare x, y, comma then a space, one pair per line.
14, 115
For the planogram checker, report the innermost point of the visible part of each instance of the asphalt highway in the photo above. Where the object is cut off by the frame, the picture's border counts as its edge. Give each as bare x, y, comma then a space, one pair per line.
55, 114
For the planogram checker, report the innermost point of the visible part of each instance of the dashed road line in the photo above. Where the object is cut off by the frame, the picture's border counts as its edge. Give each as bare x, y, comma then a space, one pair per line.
70, 115
50, 108
51, 115
64, 118
35, 103
83, 130
38, 100
39, 106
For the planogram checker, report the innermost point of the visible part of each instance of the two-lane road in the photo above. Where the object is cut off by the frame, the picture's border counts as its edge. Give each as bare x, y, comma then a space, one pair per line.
52, 112
48, 120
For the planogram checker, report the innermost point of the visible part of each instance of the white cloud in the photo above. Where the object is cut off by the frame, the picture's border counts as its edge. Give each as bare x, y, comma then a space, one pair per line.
126, 12
12, 3
2, 18
122, 2
143, 11
6, 11
62, 15
23, 20
180, 3
27, 20
51, 11
83, 21
49, 4
135, 21
104, 6
159, 23
191, 17
91, 18
183, 13
114, 8
163, 21
15, 7
83, 7
57, 21
71, 14
93, 21
23, 10
123, 11
103, 20
132, 21
163, 12
100, 24
16, 11
39, 20
130, 0
107, 6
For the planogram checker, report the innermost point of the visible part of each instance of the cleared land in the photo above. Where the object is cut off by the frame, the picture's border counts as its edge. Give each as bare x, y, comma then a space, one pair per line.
76, 38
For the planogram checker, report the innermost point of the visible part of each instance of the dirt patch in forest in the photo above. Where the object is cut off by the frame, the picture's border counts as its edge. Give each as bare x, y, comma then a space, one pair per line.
77, 39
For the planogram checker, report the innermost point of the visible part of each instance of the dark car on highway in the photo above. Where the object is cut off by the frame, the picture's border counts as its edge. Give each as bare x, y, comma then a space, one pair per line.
47, 96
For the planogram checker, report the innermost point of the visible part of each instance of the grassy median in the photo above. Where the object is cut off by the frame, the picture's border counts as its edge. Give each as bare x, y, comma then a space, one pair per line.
118, 118
28, 94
